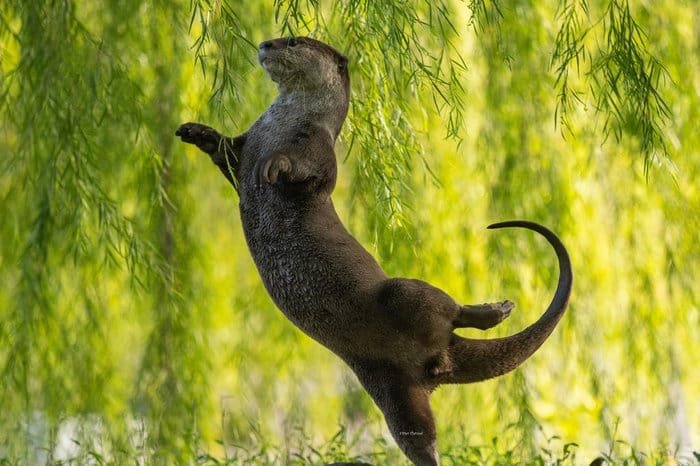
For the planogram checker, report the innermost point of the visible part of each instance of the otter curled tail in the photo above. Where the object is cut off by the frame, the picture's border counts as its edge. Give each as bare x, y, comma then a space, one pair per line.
475, 360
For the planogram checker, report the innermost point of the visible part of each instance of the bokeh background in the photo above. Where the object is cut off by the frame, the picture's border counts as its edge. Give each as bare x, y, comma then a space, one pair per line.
134, 327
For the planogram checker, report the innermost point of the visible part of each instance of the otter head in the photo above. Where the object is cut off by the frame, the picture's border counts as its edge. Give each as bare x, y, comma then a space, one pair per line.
305, 64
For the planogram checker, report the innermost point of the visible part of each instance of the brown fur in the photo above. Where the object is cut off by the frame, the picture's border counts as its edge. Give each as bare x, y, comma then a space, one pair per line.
396, 334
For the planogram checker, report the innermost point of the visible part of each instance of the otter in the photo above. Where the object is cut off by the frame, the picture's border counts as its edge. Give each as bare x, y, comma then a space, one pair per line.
396, 334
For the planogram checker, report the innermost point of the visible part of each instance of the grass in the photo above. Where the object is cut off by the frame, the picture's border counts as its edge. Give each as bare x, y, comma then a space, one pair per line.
343, 448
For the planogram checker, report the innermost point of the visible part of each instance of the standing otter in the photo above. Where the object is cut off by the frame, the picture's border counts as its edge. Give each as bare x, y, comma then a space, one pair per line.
395, 333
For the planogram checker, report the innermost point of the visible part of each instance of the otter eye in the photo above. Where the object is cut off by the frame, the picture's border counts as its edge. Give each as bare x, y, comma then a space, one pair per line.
342, 64
292, 42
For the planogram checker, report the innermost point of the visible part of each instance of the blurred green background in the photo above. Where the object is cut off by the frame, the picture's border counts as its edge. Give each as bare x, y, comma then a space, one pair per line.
134, 327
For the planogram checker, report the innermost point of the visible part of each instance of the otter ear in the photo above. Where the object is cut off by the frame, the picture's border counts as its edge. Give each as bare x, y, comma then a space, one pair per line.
342, 63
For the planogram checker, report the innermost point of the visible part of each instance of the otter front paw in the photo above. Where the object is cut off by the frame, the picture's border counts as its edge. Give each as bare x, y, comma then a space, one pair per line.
270, 169
202, 136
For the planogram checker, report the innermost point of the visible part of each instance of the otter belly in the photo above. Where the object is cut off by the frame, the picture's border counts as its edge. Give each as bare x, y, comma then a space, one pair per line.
319, 276
299, 277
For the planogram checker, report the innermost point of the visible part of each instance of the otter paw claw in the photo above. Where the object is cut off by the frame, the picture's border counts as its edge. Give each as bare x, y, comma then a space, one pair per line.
502, 309
272, 168
495, 313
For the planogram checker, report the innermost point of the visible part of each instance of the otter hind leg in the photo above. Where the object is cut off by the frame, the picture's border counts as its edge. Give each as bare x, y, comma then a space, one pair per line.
483, 316
406, 408
420, 309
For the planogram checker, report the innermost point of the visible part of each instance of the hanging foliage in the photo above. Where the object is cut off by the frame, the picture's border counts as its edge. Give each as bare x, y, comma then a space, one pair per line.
134, 327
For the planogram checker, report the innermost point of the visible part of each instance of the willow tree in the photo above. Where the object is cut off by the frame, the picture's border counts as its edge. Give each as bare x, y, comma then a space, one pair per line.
133, 326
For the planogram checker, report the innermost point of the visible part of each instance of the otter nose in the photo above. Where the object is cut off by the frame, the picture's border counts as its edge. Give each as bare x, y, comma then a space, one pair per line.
267, 45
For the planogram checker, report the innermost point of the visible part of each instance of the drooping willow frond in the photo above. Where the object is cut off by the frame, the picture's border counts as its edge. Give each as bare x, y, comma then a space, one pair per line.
620, 73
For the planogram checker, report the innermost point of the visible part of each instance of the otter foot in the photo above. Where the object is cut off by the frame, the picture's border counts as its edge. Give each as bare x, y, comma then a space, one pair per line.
202, 136
483, 316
